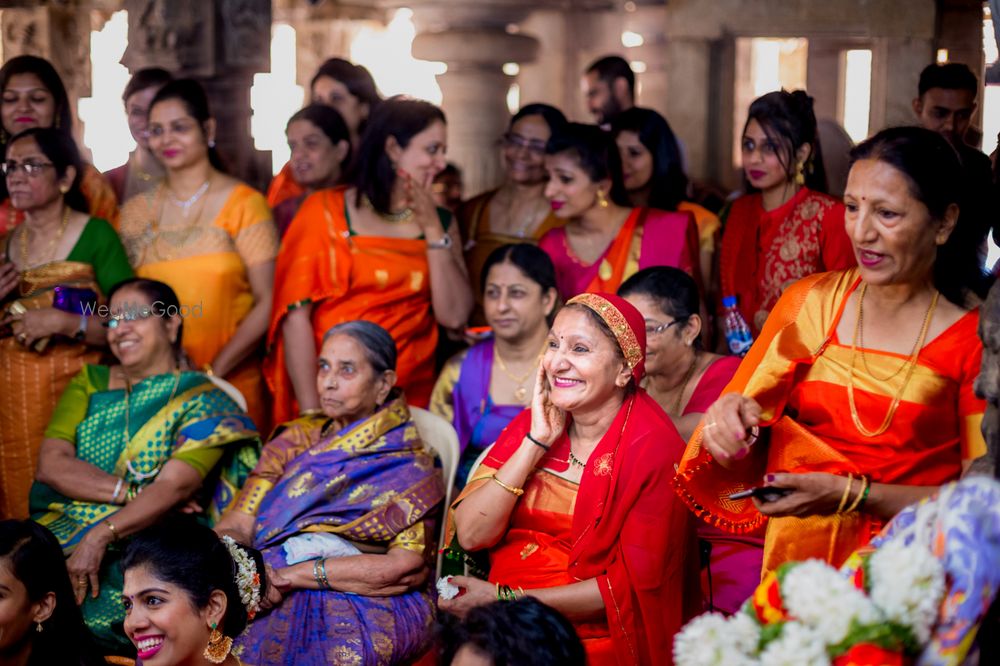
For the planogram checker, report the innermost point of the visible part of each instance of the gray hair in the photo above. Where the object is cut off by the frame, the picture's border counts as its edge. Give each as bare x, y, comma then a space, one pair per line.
380, 348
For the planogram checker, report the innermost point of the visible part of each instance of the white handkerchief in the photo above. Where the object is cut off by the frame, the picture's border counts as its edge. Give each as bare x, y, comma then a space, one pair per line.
314, 545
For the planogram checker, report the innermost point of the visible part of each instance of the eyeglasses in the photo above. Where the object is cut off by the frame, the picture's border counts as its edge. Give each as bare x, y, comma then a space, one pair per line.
656, 330
517, 141
30, 169
136, 315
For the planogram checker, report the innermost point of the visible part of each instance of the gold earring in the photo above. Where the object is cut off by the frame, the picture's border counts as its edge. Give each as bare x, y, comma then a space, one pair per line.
800, 175
218, 646
602, 200
63, 189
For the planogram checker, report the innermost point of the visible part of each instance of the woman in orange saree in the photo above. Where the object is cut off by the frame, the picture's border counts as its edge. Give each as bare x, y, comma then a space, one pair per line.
603, 241
850, 441
786, 228
379, 250
216, 248
34, 96
54, 269
573, 502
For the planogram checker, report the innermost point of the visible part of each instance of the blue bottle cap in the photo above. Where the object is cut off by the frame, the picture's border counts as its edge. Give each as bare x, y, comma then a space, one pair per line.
729, 301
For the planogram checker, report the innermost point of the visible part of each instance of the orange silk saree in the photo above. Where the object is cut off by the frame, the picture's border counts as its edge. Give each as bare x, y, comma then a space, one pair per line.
798, 371
347, 277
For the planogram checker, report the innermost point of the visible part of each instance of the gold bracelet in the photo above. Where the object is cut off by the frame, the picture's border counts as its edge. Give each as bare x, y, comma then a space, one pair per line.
861, 493
316, 411
847, 491
111, 526
511, 489
207, 369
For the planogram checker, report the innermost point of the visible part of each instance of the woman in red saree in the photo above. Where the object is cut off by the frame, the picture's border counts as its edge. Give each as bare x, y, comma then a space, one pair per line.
604, 241
786, 228
850, 440
573, 502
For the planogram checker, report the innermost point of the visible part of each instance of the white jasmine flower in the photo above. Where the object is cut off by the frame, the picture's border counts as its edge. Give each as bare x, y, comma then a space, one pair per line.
798, 645
446, 589
710, 640
908, 583
818, 596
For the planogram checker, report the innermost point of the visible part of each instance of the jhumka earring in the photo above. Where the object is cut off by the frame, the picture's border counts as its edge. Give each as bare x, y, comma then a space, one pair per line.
602, 200
800, 174
218, 646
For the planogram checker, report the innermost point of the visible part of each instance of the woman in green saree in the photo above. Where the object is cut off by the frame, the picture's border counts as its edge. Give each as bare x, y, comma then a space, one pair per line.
131, 442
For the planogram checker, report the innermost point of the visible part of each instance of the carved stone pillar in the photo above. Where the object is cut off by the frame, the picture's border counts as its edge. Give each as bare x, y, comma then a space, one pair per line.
471, 38
59, 34
221, 44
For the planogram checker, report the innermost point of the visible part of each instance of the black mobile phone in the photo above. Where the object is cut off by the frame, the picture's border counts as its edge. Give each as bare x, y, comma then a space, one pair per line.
763, 493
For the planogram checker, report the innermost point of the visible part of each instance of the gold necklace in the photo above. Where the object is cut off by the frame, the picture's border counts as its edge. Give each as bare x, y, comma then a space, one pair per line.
50, 250
395, 218
521, 392
187, 231
139, 476
687, 377
910, 364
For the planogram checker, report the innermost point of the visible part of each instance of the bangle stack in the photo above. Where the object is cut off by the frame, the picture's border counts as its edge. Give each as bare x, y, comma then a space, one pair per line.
319, 574
118, 489
517, 492
133, 491
859, 499
505, 593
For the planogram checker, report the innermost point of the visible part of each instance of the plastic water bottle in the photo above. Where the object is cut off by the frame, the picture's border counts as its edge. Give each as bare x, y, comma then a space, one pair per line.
738, 335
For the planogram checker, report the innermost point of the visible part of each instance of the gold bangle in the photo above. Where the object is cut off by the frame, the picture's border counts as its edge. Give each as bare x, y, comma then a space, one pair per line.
316, 411
847, 492
861, 493
511, 489
114, 530
207, 369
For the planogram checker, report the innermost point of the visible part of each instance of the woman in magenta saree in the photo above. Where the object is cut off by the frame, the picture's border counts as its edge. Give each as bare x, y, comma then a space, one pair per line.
343, 508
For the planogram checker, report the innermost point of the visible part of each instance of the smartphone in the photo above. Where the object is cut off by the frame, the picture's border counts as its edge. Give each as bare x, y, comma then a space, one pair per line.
763, 493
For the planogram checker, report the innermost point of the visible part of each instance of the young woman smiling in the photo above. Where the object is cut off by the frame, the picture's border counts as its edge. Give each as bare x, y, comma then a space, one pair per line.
604, 240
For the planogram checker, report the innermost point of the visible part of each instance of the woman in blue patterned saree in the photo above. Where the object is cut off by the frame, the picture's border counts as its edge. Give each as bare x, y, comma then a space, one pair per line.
344, 505
129, 443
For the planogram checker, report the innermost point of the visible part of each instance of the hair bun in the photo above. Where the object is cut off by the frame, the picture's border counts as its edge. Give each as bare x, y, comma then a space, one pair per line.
802, 99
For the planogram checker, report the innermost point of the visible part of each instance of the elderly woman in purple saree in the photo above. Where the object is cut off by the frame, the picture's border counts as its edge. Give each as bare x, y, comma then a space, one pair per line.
344, 507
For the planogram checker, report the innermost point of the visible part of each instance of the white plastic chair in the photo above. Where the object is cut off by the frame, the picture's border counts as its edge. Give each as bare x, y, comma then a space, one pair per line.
231, 391
438, 434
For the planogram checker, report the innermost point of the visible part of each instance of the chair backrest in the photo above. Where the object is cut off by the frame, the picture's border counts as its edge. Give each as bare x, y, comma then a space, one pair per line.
479, 461
438, 434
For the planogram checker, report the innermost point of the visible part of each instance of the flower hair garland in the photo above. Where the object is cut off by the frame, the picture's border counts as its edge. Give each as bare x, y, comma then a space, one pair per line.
247, 577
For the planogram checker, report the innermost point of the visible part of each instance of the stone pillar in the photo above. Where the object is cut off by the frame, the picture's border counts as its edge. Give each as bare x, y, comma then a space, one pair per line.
687, 107
221, 44
61, 35
475, 94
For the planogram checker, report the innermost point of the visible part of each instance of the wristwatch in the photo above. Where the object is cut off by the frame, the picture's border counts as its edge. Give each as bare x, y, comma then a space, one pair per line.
443, 244
81, 330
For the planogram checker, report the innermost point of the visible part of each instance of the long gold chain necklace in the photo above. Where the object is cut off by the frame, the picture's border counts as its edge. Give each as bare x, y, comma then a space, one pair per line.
910, 364
676, 411
53, 243
139, 476
521, 392
530, 220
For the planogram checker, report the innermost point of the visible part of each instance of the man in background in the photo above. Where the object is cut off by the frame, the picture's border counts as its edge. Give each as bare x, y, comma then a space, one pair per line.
609, 86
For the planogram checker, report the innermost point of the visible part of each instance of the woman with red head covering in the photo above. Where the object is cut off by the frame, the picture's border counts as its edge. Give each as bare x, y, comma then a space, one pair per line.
573, 502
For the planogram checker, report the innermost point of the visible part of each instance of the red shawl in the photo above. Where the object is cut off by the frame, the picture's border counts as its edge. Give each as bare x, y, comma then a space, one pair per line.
631, 532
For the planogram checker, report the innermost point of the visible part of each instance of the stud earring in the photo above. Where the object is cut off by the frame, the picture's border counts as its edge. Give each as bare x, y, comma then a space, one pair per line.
211, 143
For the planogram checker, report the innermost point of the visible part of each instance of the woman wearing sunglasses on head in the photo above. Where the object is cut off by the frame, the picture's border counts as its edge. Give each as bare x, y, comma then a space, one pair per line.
129, 443
53, 268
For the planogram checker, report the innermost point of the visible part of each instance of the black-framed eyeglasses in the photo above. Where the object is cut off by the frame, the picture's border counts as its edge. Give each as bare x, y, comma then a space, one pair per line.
656, 330
30, 169
517, 141
115, 321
